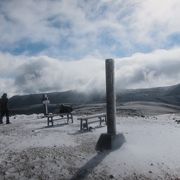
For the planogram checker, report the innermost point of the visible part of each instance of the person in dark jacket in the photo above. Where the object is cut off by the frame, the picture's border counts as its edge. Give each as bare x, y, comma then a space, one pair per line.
4, 108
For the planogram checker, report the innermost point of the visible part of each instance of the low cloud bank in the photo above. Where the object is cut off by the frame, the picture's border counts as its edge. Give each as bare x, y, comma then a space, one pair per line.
24, 75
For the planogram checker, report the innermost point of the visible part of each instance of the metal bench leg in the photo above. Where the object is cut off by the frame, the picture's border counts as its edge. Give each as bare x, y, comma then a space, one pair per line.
47, 121
72, 118
100, 120
81, 125
67, 118
86, 124
52, 122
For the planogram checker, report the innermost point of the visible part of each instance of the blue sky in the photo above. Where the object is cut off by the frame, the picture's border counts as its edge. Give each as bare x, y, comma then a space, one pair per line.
81, 30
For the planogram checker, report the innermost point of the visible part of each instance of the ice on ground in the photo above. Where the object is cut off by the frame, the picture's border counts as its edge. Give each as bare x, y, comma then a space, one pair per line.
30, 150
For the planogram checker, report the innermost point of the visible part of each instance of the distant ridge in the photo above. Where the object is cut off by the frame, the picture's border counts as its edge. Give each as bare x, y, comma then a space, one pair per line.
168, 94
66, 97
32, 103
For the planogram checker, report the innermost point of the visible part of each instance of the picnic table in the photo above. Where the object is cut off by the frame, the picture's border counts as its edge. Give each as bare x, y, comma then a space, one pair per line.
86, 120
61, 116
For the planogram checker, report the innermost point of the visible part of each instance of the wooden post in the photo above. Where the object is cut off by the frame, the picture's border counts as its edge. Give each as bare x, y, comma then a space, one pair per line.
110, 97
110, 140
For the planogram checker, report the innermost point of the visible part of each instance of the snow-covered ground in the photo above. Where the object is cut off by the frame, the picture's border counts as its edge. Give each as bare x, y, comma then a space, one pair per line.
30, 150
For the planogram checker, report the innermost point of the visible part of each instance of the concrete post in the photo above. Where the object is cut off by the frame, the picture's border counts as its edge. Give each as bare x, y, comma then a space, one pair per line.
110, 97
110, 140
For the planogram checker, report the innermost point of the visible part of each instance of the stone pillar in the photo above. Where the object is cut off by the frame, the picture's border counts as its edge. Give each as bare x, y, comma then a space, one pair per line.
110, 97
110, 140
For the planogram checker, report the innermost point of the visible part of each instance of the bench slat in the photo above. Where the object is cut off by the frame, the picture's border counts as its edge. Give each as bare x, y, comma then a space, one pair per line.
90, 122
91, 116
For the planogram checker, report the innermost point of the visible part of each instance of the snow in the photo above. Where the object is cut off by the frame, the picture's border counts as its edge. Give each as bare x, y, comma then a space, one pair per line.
30, 150
148, 143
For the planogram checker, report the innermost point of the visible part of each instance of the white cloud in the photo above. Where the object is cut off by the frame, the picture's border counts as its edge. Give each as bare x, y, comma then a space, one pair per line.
78, 27
45, 74
154, 21
159, 68
131, 22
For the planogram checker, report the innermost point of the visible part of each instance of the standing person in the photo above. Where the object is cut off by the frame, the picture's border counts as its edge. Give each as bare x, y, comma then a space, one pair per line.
4, 108
45, 102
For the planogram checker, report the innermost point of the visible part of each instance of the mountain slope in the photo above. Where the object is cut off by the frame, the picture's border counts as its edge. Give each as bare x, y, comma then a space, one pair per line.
32, 102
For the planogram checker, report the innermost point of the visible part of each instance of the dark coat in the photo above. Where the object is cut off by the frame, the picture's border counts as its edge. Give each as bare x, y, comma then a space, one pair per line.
4, 103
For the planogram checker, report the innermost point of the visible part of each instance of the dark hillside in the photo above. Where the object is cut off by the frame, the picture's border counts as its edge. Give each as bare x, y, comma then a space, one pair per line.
32, 102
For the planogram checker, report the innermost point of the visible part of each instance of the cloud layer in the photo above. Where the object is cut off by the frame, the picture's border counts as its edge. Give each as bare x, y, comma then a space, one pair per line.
77, 28
23, 75
55, 45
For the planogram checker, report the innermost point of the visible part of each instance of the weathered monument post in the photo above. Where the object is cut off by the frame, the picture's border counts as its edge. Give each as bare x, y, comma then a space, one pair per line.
110, 97
110, 140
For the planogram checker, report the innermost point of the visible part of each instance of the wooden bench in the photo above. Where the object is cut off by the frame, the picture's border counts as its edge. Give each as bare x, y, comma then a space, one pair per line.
85, 120
50, 118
